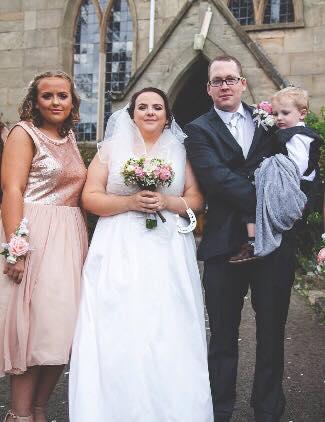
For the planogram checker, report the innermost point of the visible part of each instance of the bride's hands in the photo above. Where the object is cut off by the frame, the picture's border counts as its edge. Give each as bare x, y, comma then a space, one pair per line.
147, 201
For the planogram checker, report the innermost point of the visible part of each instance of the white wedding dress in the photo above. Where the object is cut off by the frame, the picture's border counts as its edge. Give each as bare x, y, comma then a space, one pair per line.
139, 352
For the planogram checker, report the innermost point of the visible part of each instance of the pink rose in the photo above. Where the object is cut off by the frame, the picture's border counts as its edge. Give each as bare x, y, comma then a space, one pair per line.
139, 171
18, 246
264, 105
157, 171
164, 174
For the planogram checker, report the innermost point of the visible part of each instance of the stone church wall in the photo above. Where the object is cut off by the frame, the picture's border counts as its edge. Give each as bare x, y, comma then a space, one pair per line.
33, 38
299, 54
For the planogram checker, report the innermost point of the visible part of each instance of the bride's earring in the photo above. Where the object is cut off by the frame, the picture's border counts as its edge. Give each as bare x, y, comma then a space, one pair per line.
192, 224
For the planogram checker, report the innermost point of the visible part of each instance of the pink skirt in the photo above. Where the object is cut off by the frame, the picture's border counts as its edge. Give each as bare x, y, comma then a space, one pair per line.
37, 316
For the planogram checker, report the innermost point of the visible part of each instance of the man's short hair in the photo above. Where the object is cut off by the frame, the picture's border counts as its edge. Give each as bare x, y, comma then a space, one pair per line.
226, 58
298, 96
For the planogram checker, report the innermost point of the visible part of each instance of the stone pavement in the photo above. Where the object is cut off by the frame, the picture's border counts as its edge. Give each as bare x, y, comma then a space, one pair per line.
304, 379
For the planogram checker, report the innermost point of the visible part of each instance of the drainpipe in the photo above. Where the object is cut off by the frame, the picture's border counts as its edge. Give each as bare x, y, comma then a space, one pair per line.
152, 25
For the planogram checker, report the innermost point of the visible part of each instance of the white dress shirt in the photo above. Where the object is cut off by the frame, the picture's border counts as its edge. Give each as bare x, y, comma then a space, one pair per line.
298, 151
245, 126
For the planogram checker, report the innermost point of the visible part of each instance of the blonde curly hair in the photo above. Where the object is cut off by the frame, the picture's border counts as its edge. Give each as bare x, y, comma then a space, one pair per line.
297, 95
28, 111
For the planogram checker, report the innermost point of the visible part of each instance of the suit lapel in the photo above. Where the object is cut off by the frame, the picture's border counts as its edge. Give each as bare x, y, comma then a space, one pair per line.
258, 133
221, 129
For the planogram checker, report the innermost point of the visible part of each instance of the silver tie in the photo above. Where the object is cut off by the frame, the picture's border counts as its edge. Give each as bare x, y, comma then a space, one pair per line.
233, 126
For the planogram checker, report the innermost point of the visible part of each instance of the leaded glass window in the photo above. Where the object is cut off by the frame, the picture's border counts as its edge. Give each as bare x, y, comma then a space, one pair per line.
243, 11
86, 65
91, 54
119, 47
279, 11
103, 4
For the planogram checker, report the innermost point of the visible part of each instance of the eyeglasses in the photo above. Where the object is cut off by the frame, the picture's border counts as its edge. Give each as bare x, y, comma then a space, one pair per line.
228, 81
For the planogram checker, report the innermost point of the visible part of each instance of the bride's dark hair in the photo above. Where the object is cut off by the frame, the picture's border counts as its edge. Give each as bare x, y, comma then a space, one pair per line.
169, 115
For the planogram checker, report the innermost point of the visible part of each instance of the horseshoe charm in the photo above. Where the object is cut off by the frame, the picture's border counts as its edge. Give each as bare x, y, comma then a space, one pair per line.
192, 224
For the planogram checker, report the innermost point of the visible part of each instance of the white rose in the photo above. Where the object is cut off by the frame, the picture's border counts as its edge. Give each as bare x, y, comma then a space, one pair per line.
11, 259
23, 231
130, 168
148, 168
269, 120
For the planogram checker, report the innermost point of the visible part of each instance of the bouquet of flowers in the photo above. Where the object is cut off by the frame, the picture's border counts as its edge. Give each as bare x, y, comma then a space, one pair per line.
148, 174
262, 115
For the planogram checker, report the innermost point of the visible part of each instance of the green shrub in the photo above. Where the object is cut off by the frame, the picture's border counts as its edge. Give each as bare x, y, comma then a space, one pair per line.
309, 233
87, 153
317, 122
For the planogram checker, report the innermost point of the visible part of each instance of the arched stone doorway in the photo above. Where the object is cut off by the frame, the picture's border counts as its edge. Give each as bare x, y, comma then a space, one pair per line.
192, 99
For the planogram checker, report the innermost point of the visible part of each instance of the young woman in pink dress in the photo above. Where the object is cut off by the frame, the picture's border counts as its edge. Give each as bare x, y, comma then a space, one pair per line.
42, 178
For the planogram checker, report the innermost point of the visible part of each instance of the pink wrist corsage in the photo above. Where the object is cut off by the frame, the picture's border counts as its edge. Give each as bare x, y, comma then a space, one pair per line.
18, 245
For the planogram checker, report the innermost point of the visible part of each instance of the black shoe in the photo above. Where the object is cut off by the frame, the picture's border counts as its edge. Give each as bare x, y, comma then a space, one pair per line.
245, 254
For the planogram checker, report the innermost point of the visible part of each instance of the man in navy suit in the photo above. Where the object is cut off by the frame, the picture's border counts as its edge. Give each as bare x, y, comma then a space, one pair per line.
224, 148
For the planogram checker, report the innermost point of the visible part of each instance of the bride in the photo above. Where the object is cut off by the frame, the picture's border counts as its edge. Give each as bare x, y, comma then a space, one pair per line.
139, 352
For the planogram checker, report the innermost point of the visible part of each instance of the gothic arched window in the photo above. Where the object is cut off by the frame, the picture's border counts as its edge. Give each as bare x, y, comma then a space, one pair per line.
86, 65
279, 11
103, 40
243, 11
119, 46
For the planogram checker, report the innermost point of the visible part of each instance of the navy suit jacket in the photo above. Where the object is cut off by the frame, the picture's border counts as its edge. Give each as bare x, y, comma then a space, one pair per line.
225, 178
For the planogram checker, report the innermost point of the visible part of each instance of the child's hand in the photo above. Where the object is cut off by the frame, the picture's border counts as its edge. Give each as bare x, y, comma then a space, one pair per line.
321, 256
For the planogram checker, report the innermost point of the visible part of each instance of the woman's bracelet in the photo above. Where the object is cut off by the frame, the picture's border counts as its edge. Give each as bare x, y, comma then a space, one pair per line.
18, 246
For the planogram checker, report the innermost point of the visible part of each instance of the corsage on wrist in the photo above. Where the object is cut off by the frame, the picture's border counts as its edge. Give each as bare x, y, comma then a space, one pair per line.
18, 246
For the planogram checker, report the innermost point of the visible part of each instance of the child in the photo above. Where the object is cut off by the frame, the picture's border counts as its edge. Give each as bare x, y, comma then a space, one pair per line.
296, 141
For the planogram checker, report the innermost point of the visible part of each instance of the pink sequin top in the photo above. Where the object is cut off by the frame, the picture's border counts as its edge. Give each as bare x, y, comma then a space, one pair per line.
57, 172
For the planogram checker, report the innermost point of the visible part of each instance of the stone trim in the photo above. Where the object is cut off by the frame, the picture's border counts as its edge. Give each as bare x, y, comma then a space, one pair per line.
259, 10
270, 26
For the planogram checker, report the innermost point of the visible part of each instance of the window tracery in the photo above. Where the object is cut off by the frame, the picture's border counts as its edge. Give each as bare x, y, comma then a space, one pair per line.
95, 43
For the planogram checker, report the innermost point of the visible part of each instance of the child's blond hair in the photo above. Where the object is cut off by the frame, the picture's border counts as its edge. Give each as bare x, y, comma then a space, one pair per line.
298, 96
